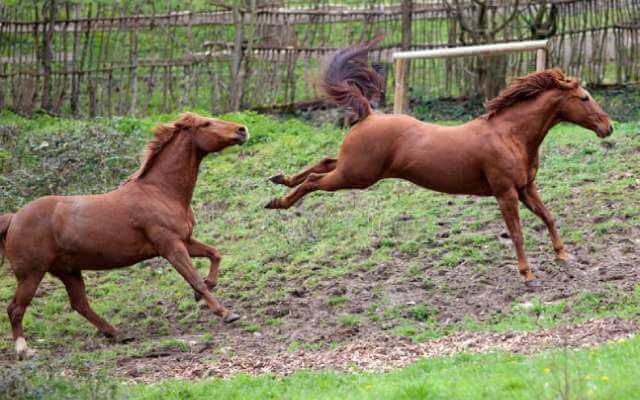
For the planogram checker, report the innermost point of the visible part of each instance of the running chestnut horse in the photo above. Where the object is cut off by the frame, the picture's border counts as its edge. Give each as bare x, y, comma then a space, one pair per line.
493, 155
147, 216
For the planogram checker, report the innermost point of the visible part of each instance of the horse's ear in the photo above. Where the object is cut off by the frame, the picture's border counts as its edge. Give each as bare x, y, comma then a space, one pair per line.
569, 83
187, 120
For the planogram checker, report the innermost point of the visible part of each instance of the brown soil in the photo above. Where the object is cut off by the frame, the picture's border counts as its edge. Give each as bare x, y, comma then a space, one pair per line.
377, 353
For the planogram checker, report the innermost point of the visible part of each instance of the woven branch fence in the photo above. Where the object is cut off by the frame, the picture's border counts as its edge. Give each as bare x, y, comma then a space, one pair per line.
137, 57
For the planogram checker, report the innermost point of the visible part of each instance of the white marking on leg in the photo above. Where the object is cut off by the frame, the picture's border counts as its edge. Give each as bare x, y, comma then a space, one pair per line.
21, 346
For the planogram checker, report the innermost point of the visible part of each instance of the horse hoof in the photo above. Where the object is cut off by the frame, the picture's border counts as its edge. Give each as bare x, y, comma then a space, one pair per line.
26, 354
533, 284
565, 259
277, 179
23, 351
273, 204
232, 317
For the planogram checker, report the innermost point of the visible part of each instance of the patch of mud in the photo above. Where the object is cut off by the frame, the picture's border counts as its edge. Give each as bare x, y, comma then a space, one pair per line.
377, 353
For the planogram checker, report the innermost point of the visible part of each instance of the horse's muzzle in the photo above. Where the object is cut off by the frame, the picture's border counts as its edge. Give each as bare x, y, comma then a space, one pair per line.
242, 135
603, 133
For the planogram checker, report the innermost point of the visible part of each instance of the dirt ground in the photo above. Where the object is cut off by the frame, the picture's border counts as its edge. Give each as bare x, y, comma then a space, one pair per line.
376, 353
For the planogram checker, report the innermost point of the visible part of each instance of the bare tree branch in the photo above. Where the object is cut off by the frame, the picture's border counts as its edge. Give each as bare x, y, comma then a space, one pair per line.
508, 20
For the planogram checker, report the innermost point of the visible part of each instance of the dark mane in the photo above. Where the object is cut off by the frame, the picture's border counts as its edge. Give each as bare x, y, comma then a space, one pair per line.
350, 82
529, 86
163, 133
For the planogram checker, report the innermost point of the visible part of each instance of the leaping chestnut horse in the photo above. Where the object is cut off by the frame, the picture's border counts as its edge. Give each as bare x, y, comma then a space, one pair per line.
148, 216
493, 155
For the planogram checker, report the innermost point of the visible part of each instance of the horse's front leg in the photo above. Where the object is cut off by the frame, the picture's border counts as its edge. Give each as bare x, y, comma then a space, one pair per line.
529, 196
175, 251
508, 202
199, 249
323, 166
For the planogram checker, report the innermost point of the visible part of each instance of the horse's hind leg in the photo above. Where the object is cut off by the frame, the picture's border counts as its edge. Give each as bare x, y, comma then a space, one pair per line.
74, 283
323, 166
328, 182
529, 196
27, 286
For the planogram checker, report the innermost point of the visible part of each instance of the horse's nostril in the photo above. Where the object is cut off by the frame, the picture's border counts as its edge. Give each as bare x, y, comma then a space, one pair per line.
242, 130
610, 129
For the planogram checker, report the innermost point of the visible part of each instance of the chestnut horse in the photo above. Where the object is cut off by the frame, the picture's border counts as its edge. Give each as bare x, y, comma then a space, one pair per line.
494, 155
147, 216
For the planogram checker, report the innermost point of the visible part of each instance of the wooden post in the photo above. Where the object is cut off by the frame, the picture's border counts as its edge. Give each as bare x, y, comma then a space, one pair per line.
46, 55
541, 60
236, 83
133, 71
407, 10
399, 94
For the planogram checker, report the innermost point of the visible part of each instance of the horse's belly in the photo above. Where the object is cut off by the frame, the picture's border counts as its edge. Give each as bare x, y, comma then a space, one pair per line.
452, 185
461, 178
92, 237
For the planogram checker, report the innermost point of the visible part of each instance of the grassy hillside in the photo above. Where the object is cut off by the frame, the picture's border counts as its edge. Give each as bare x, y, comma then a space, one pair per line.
395, 260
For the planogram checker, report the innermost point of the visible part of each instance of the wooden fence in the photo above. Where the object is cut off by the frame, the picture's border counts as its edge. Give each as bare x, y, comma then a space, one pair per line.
135, 57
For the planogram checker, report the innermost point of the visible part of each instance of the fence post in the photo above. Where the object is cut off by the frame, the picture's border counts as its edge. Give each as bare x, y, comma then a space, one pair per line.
46, 55
400, 93
541, 60
236, 58
402, 67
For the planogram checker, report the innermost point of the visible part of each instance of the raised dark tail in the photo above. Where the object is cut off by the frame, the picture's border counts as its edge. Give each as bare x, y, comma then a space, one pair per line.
5, 221
350, 82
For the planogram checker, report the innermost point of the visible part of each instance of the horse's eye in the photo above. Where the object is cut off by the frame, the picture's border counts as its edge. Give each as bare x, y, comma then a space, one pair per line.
206, 124
584, 98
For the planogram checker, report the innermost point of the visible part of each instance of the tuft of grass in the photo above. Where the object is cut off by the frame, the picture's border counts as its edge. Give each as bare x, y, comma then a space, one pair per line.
350, 321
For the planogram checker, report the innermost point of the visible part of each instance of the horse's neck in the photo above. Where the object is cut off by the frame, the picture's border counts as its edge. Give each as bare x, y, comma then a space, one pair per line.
530, 122
175, 170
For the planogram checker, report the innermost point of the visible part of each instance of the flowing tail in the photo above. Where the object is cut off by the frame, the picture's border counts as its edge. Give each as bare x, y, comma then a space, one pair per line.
350, 82
5, 221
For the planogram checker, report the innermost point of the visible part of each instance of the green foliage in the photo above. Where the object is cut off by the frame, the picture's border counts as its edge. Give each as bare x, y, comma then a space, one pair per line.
70, 158
35, 380
422, 313
350, 321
